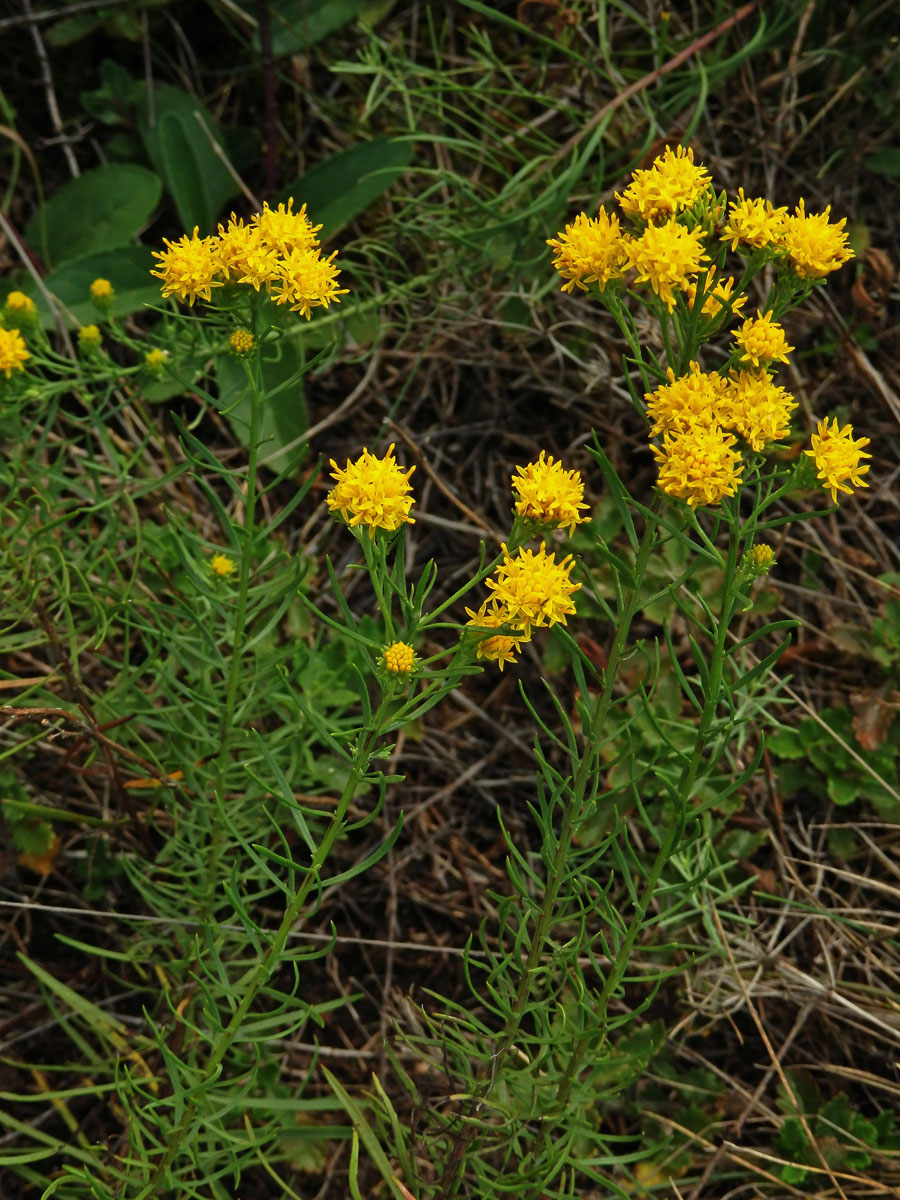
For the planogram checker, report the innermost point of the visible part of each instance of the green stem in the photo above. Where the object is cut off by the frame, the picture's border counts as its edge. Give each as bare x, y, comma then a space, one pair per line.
268, 962
235, 666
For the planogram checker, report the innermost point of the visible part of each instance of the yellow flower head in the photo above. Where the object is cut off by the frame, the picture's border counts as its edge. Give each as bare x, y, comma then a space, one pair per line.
753, 223
762, 340
102, 289
591, 250
665, 256
716, 295
502, 646
188, 267
244, 257
398, 658
671, 184
89, 337
305, 280
241, 342
12, 351
758, 410
221, 564
699, 465
20, 307
815, 247
285, 230
156, 359
549, 494
762, 557
695, 399
837, 456
372, 491
533, 588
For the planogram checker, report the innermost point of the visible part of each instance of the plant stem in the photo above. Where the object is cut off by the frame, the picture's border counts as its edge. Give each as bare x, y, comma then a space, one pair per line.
254, 379
268, 962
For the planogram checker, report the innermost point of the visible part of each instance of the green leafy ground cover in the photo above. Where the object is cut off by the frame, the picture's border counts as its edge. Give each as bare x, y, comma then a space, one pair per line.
160, 803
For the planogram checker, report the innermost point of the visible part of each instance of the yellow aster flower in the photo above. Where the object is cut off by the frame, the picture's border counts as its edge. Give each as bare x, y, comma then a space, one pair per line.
222, 565
815, 247
241, 342
533, 588
372, 491
762, 557
13, 352
244, 256
754, 223
89, 337
188, 267
758, 409
671, 184
285, 230
762, 340
716, 295
591, 250
699, 465
837, 457
549, 494
305, 280
665, 256
398, 658
695, 399
501, 647
17, 304
102, 289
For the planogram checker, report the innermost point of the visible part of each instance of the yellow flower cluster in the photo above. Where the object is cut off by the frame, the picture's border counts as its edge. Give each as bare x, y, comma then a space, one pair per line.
241, 342
837, 457
276, 249
698, 415
398, 658
13, 352
762, 341
222, 565
548, 494
372, 491
675, 224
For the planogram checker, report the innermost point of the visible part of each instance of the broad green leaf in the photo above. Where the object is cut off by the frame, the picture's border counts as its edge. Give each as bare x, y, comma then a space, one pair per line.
180, 142
299, 24
101, 209
340, 188
127, 269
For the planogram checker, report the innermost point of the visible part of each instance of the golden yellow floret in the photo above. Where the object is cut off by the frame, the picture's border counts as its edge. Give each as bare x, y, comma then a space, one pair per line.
671, 184
699, 466
13, 351
222, 565
244, 256
762, 340
501, 647
814, 245
304, 280
398, 658
698, 398
758, 410
666, 256
286, 230
591, 250
372, 491
716, 295
549, 494
533, 588
188, 267
762, 556
156, 359
89, 337
17, 304
241, 342
102, 289
837, 457
753, 223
